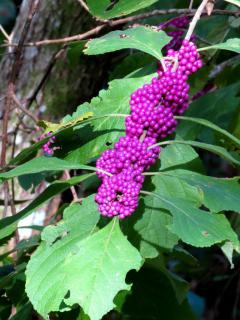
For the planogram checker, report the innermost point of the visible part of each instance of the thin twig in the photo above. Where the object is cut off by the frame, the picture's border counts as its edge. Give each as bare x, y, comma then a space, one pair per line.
44, 78
82, 36
24, 110
8, 199
220, 67
4, 33
14, 140
195, 19
113, 23
73, 191
84, 5
190, 5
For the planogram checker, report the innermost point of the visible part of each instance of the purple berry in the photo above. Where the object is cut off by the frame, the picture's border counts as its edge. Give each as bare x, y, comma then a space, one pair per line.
47, 148
153, 107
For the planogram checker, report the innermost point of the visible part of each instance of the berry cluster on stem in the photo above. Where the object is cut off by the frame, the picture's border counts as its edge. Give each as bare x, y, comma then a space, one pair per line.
152, 107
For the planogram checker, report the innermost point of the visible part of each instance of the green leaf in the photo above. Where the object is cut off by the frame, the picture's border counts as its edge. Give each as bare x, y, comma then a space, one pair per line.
183, 256
194, 226
28, 243
110, 106
5, 281
234, 22
78, 266
150, 231
236, 2
141, 38
107, 9
52, 127
172, 186
78, 114
220, 151
131, 64
153, 297
59, 243
177, 154
75, 49
207, 107
213, 126
218, 193
5, 308
179, 285
227, 249
230, 44
32, 180
42, 164
152, 228
9, 224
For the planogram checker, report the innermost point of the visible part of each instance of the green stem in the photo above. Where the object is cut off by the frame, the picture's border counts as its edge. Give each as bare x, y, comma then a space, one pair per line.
210, 125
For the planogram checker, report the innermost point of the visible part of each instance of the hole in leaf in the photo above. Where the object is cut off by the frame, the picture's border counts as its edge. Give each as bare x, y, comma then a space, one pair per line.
108, 143
67, 295
123, 35
60, 237
63, 305
111, 5
205, 233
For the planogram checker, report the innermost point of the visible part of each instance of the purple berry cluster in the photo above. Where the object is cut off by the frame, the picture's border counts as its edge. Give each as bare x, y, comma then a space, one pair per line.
176, 88
148, 112
153, 107
130, 157
48, 148
118, 195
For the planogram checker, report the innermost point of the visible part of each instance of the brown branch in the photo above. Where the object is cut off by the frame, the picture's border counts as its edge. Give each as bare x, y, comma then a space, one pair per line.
16, 65
220, 67
73, 191
113, 23
82, 36
24, 110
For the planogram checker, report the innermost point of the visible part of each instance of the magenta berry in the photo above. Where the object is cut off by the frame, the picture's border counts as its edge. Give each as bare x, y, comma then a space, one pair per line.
118, 195
48, 148
152, 107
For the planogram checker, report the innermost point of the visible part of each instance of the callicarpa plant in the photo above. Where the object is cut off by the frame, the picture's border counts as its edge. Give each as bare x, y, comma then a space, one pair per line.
127, 206
153, 107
